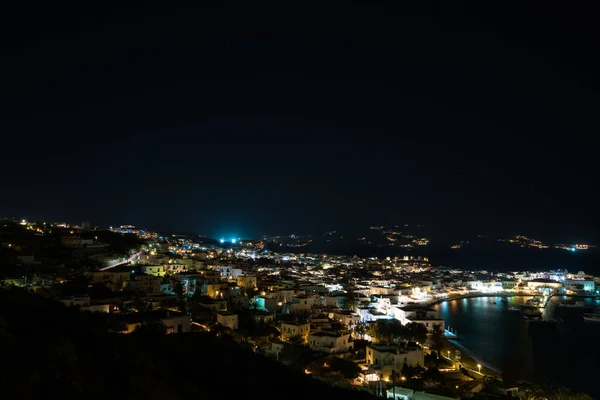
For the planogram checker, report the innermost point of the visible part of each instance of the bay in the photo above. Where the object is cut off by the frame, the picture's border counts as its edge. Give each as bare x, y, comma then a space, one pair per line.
565, 352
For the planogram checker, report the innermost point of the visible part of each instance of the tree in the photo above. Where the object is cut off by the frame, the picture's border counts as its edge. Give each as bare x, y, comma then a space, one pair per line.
151, 329
296, 339
350, 300
348, 369
396, 329
178, 290
434, 374
437, 336
361, 329
250, 292
552, 391
416, 332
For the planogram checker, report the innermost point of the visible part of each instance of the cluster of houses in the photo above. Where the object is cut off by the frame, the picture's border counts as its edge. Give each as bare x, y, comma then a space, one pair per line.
322, 315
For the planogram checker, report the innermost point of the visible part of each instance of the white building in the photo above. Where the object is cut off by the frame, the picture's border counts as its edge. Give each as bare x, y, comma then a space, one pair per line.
228, 272
82, 301
329, 342
391, 357
174, 322
301, 304
247, 281
400, 393
347, 318
367, 314
291, 329
586, 285
227, 319
418, 314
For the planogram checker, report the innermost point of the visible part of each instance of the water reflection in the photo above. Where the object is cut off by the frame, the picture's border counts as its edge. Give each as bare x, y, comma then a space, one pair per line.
531, 351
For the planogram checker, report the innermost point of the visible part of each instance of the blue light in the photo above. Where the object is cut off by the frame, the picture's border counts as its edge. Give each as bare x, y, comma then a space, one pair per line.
233, 240
573, 249
222, 240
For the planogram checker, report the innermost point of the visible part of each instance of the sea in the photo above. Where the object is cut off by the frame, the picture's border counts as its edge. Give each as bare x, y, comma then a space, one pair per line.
565, 353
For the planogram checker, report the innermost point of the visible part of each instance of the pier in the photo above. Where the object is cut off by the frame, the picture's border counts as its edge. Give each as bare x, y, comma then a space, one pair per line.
450, 334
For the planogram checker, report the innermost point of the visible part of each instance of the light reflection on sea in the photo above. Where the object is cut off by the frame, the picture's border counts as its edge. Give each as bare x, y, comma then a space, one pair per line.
504, 340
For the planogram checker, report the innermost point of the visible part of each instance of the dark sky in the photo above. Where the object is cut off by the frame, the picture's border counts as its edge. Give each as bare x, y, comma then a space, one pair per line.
292, 116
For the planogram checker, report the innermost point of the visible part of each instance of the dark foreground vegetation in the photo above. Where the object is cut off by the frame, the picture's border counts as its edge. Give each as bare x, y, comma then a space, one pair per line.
50, 351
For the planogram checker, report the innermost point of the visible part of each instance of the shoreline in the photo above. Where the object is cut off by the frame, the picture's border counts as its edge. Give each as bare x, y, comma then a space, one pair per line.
468, 357
504, 295
476, 295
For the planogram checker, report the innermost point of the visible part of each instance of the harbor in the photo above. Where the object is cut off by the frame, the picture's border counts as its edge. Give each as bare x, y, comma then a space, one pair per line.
497, 336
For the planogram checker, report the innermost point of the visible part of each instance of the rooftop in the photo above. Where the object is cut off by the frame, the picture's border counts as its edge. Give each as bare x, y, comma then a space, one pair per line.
295, 323
416, 308
326, 334
139, 317
226, 313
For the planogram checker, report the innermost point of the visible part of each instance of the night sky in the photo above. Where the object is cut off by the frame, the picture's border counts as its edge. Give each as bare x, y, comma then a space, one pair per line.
294, 116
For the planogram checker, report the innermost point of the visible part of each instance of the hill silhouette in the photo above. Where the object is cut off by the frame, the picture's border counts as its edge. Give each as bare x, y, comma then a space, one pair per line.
48, 350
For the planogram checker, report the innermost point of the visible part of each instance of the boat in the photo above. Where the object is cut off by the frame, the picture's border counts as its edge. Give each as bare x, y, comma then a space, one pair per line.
514, 308
572, 304
531, 312
578, 305
590, 317
533, 302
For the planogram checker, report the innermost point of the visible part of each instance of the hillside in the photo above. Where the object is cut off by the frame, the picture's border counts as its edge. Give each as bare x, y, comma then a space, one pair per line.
48, 350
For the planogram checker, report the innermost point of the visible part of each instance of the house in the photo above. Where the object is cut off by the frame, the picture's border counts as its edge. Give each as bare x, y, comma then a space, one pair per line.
320, 323
268, 303
367, 314
400, 393
214, 290
144, 283
99, 308
276, 349
115, 278
262, 316
419, 315
301, 304
381, 290
384, 358
228, 272
247, 281
285, 296
75, 301
508, 285
174, 322
291, 329
227, 319
586, 285
330, 342
214, 305
331, 301
175, 268
154, 270
348, 318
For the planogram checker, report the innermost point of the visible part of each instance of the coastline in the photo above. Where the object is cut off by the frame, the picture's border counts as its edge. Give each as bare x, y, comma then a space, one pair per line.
475, 295
469, 359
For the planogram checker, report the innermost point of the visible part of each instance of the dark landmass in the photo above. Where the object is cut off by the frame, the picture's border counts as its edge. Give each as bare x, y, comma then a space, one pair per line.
50, 351
477, 252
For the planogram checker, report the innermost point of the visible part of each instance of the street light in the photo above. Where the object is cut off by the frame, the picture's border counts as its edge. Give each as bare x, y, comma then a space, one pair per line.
479, 368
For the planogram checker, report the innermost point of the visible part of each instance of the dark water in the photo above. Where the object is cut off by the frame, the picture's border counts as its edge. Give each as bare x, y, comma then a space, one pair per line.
562, 352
